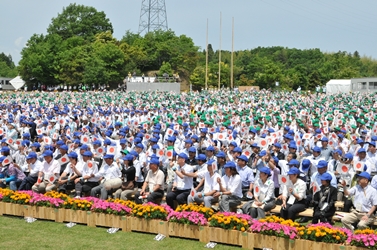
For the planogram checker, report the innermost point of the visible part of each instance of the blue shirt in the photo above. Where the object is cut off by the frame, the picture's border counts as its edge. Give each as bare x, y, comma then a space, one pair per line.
247, 176
364, 199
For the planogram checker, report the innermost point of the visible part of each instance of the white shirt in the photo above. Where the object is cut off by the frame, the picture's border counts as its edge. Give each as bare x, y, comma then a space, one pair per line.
266, 190
233, 184
299, 188
210, 183
35, 168
185, 182
109, 172
88, 171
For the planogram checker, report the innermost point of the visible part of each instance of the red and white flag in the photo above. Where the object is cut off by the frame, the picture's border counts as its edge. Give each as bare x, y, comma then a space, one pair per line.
111, 150
85, 139
7, 161
64, 159
100, 150
169, 154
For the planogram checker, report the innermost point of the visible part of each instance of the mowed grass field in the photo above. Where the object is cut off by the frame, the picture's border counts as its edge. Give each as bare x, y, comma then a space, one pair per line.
16, 233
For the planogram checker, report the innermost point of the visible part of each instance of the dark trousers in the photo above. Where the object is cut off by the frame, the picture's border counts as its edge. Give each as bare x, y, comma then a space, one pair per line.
179, 195
291, 211
28, 183
152, 197
85, 187
322, 217
67, 187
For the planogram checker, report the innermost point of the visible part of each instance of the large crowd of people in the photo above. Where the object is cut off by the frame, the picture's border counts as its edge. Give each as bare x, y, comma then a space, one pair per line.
220, 148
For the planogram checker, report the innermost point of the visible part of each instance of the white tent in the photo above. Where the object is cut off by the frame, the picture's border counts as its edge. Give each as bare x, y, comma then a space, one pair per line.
338, 86
17, 82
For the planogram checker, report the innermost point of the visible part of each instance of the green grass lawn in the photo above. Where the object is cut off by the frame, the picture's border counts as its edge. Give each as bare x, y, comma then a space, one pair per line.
15, 233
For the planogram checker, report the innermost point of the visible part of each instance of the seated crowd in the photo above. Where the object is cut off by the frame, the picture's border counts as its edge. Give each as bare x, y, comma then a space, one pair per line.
249, 171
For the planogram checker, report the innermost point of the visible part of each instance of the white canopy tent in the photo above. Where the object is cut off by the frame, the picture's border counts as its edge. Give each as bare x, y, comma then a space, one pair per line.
17, 82
338, 86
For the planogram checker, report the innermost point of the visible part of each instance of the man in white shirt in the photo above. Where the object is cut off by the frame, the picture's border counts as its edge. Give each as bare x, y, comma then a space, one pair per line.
109, 175
182, 183
33, 166
49, 172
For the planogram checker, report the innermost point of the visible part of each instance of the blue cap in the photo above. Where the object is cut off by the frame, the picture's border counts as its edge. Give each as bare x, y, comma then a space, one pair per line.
292, 145
97, 142
5, 149
233, 143
188, 141
325, 139
348, 156
204, 130
64, 147
35, 144
47, 153
359, 141
73, 155
317, 149
255, 145
154, 139
341, 136
361, 150
265, 170
87, 153
171, 138
122, 141
220, 154
154, 160
262, 153
338, 151
155, 146
60, 142
237, 149
139, 145
293, 162
243, 158
84, 147
183, 155
108, 156
230, 164
210, 148
293, 170
201, 157
364, 175
322, 164
134, 153
210, 162
31, 155
305, 164
128, 157
326, 177
277, 145
107, 142
192, 150
373, 143
76, 141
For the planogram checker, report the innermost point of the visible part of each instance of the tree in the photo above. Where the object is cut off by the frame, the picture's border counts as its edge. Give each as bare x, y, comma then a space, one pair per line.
79, 20
7, 67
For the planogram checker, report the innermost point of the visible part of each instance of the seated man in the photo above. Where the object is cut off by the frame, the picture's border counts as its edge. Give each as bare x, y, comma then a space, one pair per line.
154, 183
364, 201
49, 172
33, 166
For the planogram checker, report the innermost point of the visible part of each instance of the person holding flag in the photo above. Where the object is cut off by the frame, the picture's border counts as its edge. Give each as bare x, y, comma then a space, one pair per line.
324, 200
49, 172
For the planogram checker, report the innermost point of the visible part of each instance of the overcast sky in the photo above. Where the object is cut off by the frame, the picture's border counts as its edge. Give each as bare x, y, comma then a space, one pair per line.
330, 25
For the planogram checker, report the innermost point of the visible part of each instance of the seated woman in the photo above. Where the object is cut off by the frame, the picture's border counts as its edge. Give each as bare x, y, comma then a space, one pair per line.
209, 181
230, 188
10, 174
324, 200
67, 179
295, 193
86, 182
264, 195
128, 185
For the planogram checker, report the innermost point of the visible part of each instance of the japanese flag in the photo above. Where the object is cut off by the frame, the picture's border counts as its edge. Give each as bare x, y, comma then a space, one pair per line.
100, 151
274, 135
160, 152
343, 168
90, 164
7, 161
169, 154
18, 142
256, 191
47, 140
10, 141
193, 192
212, 130
1, 131
307, 136
145, 125
222, 136
63, 160
93, 120
176, 127
315, 187
62, 122
358, 166
111, 150
52, 179
201, 125
283, 179
68, 132
354, 136
247, 152
270, 140
170, 132
40, 179
262, 143
85, 139
55, 136
374, 130
40, 131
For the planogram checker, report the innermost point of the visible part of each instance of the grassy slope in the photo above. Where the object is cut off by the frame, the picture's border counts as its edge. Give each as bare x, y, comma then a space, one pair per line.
17, 234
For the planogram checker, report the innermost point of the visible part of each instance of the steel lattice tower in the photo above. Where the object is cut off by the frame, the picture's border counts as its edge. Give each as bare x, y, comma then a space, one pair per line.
153, 16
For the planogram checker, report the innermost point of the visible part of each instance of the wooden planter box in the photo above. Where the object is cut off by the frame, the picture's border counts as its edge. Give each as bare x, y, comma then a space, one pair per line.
107, 220
267, 241
149, 226
231, 237
307, 244
76, 216
184, 231
13, 209
45, 213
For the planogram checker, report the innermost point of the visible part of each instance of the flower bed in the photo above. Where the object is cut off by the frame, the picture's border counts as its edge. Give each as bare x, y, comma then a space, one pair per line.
188, 221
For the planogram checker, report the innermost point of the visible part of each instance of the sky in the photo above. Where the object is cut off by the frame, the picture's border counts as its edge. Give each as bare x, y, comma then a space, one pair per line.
330, 25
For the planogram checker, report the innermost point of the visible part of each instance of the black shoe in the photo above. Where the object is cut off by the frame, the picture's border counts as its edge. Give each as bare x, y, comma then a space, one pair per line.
303, 219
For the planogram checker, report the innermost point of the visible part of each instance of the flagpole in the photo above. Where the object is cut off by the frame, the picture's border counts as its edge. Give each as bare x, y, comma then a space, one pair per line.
220, 53
231, 58
206, 77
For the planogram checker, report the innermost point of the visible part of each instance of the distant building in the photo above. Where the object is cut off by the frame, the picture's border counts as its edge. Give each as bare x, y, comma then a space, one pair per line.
4, 81
365, 84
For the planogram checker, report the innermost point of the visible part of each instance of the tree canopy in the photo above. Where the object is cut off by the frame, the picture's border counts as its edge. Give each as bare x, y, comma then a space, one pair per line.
7, 67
